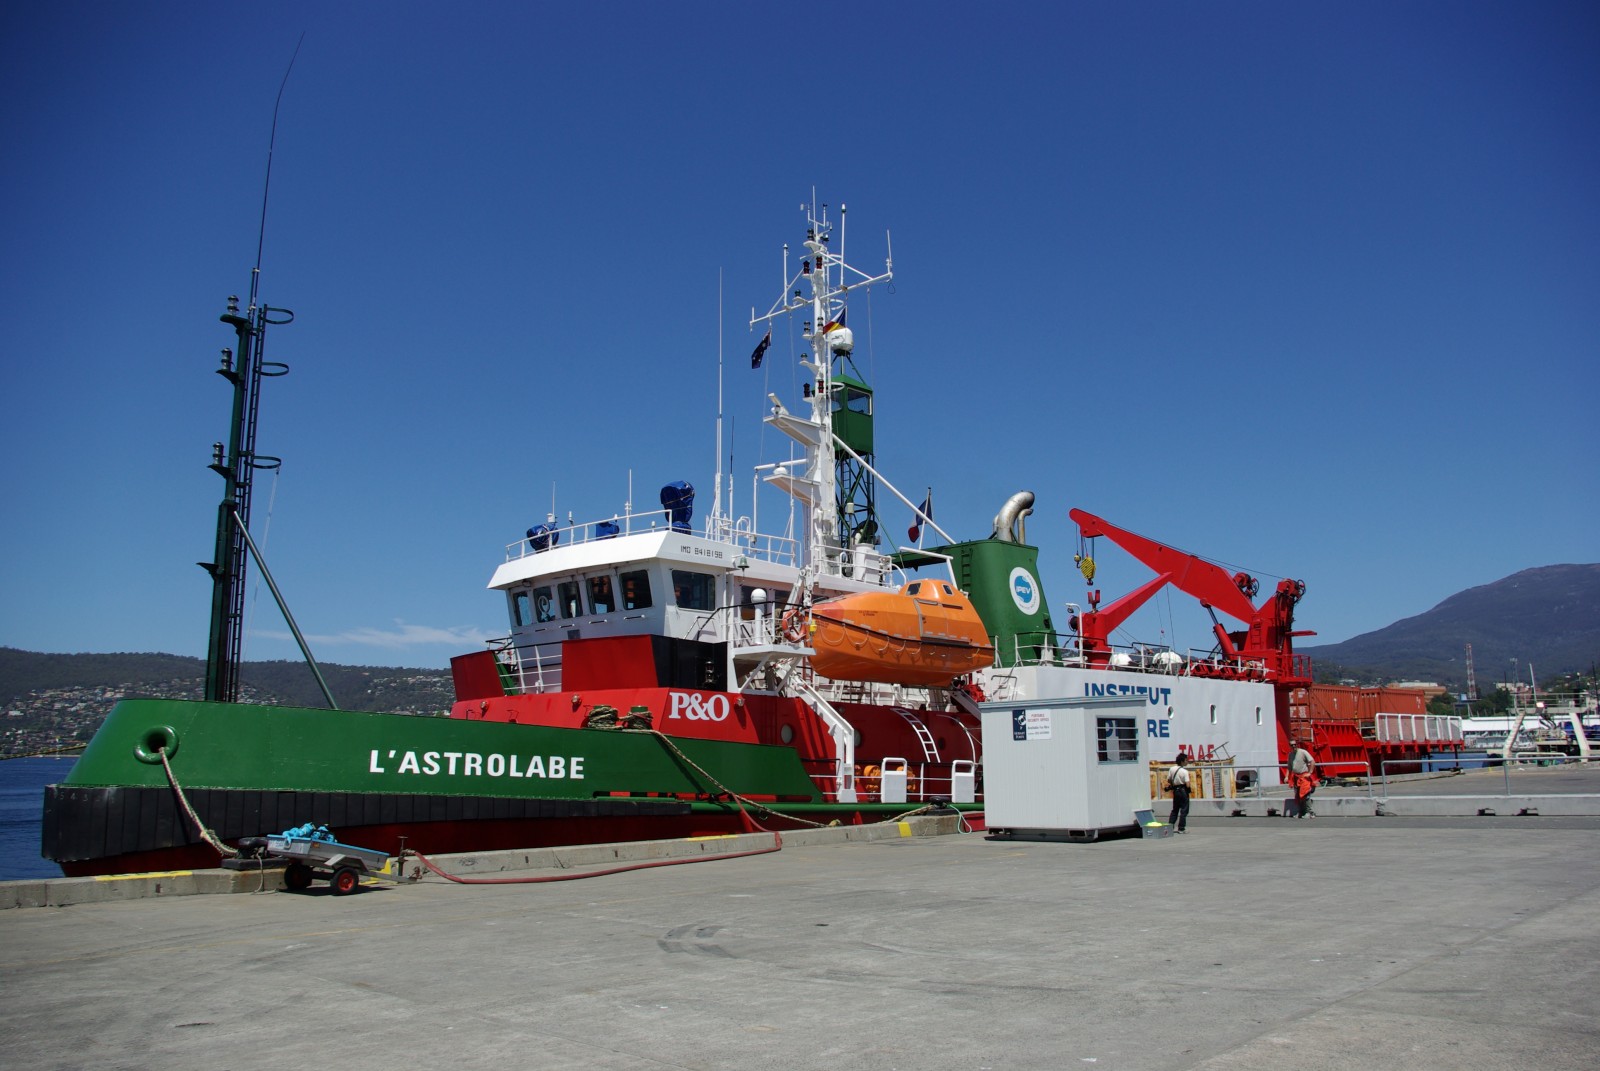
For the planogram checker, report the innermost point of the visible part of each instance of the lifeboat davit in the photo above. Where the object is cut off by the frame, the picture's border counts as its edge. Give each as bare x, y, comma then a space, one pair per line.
926, 633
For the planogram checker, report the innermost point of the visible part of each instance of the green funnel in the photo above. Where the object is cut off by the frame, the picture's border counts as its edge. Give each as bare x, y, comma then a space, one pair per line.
1002, 579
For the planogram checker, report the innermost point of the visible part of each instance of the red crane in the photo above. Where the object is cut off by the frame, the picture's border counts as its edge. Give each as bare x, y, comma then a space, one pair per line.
1264, 649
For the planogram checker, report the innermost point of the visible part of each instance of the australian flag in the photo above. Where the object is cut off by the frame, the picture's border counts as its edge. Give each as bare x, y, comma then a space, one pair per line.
915, 531
761, 350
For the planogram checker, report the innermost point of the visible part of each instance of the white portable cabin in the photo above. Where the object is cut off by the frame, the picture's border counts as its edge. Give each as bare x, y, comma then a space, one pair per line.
1064, 769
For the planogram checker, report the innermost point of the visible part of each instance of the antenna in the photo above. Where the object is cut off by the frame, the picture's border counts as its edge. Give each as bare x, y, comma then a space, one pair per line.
716, 490
261, 237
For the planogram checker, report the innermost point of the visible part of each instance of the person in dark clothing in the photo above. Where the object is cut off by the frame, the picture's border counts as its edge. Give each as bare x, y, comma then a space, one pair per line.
1178, 781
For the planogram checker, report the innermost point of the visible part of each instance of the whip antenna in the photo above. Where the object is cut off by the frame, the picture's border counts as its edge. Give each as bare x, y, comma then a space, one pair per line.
261, 237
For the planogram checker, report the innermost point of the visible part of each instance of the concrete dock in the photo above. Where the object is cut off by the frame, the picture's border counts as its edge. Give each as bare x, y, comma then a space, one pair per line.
1417, 943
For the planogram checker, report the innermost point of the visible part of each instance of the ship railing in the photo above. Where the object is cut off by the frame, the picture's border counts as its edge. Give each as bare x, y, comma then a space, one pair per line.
895, 780
739, 533
1051, 649
528, 668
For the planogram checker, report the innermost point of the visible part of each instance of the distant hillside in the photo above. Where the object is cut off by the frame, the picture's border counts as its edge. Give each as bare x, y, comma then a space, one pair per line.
1549, 617
49, 701
355, 687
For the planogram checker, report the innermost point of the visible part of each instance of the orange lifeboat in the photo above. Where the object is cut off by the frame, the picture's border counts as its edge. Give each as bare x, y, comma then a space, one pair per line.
926, 633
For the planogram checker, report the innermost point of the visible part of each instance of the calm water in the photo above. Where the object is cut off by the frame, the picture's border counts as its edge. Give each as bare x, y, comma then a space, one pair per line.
22, 784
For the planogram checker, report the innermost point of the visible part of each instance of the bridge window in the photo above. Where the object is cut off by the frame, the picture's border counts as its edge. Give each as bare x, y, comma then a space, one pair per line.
694, 591
636, 590
1117, 739
853, 399
569, 599
544, 605
601, 598
521, 608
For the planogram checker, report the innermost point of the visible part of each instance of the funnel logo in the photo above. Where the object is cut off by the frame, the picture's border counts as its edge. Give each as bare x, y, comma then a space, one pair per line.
1024, 591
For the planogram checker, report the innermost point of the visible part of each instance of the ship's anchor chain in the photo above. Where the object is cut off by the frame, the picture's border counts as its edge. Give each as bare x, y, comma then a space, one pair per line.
206, 834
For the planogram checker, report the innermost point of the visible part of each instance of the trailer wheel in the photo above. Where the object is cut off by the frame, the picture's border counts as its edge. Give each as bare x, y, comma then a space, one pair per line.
347, 879
297, 876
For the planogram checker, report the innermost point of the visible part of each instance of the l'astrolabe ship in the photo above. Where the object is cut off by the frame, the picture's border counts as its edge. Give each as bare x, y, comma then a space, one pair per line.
665, 676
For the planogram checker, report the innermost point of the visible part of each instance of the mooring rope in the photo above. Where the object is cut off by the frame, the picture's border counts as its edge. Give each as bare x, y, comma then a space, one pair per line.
777, 845
48, 752
205, 833
745, 801
742, 801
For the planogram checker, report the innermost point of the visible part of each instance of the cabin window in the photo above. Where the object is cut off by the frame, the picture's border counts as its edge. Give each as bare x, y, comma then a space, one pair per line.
1258, 715
851, 399
1117, 739
694, 591
521, 608
636, 590
570, 602
601, 598
1213, 713
914, 588
544, 605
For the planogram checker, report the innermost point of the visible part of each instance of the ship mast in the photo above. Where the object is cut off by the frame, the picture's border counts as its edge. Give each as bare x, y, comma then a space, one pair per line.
237, 467
245, 370
835, 521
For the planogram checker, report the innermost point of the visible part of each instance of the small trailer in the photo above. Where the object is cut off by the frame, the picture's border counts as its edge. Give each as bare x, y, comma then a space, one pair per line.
311, 857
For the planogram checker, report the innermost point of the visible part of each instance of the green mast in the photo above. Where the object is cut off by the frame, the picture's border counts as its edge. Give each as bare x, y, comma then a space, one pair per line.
245, 370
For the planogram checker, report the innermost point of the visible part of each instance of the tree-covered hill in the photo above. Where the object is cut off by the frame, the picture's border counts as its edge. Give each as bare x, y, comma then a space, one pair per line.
1547, 618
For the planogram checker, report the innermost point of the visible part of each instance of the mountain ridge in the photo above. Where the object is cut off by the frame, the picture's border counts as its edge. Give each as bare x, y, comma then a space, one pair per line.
1546, 617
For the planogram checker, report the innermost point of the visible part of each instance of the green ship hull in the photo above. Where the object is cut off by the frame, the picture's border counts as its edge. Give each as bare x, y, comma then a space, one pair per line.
445, 784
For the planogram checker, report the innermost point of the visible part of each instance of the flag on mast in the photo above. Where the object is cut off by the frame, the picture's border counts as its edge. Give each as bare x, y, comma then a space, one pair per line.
925, 513
761, 349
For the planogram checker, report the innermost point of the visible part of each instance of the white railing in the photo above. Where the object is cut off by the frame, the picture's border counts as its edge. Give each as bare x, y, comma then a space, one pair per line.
1416, 728
778, 549
1054, 649
900, 781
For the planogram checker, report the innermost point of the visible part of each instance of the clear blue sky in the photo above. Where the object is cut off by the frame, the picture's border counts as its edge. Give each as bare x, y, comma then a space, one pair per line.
1309, 288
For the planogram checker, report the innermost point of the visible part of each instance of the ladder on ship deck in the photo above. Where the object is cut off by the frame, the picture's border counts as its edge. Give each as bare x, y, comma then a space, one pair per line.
930, 750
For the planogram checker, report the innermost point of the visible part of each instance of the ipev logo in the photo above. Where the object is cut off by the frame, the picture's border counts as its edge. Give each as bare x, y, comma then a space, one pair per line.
692, 706
1024, 591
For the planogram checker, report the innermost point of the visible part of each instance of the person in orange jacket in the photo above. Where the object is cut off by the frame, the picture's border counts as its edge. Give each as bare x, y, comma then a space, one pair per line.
1303, 780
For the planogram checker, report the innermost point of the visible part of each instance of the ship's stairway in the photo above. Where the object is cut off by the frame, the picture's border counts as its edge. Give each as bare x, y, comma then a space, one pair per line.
930, 750
843, 733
